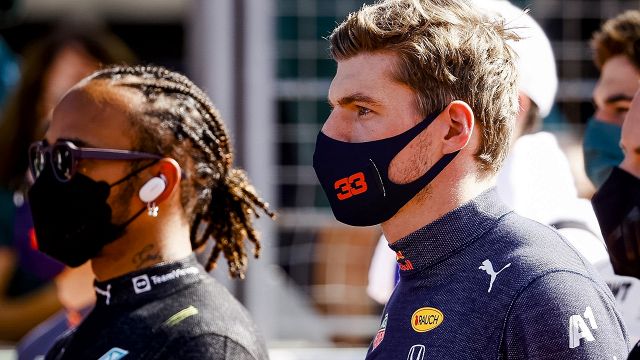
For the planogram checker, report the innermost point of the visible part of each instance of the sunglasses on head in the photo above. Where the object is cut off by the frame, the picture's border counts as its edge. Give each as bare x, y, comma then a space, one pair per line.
64, 157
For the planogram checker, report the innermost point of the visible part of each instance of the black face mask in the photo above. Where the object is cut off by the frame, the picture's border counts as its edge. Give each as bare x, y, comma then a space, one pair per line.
72, 219
355, 176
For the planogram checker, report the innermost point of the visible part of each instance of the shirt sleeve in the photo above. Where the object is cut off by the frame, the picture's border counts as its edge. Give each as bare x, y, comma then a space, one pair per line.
565, 315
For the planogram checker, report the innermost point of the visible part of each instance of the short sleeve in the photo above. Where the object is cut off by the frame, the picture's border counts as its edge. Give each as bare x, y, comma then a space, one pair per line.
565, 315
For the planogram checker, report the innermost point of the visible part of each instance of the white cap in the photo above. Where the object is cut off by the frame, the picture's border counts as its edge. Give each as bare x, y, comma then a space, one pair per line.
536, 63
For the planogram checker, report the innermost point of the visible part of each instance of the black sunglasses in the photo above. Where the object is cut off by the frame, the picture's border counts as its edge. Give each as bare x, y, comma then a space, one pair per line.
64, 157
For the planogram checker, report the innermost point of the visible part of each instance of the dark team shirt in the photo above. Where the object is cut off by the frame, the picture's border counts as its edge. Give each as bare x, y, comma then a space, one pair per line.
484, 283
635, 352
614, 204
617, 207
170, 311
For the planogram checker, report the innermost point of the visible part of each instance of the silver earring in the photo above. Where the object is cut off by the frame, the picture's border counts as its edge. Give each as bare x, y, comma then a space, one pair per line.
152, 209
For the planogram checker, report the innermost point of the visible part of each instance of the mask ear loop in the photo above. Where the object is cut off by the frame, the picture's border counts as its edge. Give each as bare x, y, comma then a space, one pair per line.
134, 173
135, 216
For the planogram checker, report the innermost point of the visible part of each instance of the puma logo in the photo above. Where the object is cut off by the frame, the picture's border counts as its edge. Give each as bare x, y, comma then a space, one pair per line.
488, 268
105, 293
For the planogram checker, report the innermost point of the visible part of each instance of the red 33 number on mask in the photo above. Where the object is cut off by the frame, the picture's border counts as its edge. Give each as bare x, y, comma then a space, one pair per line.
351, 186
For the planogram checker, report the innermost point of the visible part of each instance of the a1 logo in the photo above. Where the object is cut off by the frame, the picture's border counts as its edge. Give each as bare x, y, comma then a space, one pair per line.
578, 328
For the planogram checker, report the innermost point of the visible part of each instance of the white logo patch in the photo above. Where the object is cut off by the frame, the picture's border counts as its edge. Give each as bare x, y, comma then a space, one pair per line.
488, 268
141, 284
114, 354
105, 293
416, 352
578, 328
173, 274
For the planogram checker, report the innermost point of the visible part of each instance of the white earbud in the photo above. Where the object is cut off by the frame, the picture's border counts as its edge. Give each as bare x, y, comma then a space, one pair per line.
152, 189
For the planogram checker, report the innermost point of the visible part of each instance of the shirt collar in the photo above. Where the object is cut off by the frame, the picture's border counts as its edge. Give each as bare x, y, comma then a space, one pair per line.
441, 238
151, 283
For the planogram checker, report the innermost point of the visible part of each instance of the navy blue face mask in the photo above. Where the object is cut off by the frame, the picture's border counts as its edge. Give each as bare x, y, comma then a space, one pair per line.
355, 176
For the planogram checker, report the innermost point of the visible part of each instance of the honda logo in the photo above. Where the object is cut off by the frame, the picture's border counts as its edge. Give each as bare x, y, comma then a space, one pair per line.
416, 352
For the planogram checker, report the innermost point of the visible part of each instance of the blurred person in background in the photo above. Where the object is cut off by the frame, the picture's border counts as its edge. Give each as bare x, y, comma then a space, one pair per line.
49, 68
617, 202
616, 53
414, 143
9, 72
134, 173
536, 179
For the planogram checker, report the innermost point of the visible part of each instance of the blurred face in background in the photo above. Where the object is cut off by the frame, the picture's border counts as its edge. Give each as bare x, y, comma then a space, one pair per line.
612, 96
614, 90
70, 65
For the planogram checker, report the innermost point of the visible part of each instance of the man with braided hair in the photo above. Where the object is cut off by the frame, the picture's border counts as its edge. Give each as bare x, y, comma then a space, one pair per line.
135, 172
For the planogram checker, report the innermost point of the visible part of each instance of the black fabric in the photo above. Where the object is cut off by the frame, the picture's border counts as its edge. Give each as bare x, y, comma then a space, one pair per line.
169, 311
615, 199
66, 215
635, 352
617, 207
7, 210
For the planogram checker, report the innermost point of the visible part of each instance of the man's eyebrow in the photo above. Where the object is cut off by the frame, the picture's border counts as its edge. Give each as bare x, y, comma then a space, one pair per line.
356, 97
617, 97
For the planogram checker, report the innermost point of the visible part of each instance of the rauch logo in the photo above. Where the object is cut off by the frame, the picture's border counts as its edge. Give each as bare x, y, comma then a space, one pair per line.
426, 319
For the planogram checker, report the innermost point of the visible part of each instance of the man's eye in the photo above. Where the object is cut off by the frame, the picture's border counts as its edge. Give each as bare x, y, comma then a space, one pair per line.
621, 110
362, 111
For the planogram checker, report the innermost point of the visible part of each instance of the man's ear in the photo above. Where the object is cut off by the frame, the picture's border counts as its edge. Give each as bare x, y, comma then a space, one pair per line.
524, 105
460, 121
171, 173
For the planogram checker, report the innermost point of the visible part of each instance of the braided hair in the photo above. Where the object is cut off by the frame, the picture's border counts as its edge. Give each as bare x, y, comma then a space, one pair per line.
178, 120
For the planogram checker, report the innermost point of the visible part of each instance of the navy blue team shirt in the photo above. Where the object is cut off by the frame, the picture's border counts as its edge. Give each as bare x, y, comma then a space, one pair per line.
485, 283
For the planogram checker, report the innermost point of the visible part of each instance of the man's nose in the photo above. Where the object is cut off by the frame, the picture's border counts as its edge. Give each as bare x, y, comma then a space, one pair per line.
607, 116
336, 127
